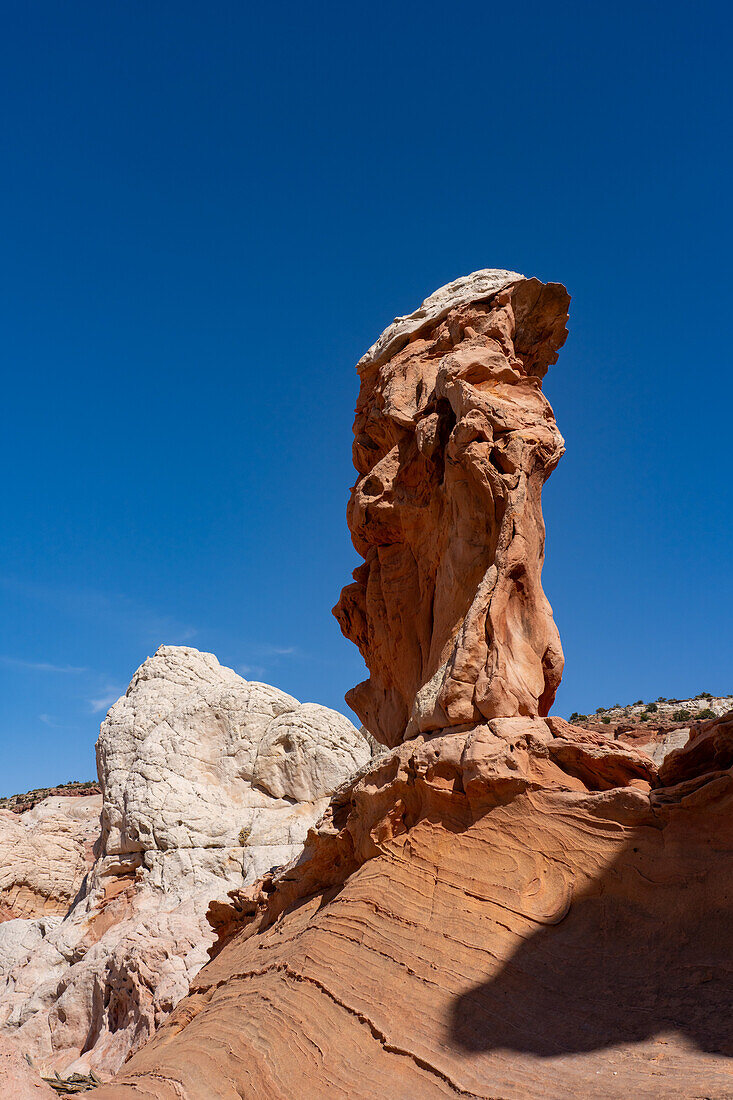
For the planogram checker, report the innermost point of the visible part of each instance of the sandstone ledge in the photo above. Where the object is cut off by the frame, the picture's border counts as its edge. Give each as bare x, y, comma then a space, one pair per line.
517, 910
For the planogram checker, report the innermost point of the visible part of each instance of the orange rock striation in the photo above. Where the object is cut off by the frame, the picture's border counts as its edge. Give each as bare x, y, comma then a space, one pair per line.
519, 910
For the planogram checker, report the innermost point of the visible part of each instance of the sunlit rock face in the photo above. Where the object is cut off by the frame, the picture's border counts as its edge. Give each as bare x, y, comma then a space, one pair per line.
45, 854
18, 1080
208, 781
454, 440
526, 910
204, 771
502, 904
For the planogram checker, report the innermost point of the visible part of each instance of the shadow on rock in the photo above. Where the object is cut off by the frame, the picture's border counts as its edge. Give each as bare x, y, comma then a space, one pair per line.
646, 949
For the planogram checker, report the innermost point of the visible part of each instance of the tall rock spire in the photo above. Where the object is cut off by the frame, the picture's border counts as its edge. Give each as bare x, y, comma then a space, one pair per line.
453, 441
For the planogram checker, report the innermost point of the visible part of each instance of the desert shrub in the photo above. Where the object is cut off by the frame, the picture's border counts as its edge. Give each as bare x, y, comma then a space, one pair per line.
606, 720
706, 713
681, 715
652, 708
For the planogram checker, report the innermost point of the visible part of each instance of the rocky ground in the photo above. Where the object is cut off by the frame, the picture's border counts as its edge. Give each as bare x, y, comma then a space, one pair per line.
522, 910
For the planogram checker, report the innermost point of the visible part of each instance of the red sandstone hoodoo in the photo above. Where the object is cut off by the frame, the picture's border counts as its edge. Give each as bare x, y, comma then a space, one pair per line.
454, 440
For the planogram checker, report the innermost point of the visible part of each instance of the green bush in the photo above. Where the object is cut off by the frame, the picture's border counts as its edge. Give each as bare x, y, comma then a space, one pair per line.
681, 715
606, 720
706, 713
652, 708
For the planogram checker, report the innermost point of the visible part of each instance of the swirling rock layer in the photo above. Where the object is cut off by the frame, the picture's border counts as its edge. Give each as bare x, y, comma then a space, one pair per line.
523, 909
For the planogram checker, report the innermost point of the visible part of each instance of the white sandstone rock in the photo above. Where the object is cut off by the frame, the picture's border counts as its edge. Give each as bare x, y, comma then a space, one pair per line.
658, 750
18, 1079
307, 753
208, 781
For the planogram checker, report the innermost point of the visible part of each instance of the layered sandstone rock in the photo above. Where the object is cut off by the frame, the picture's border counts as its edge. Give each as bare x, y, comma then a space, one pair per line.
655, 727
503, 905
453, 442
45, 854
208, 781
521, 910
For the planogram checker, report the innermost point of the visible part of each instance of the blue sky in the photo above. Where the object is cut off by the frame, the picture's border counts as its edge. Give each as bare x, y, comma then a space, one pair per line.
210, 211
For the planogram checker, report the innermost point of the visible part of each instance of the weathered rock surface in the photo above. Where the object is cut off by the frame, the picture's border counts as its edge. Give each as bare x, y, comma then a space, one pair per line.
18, 1080
45, 854
504, 904
453, 442
520, 910
208, 781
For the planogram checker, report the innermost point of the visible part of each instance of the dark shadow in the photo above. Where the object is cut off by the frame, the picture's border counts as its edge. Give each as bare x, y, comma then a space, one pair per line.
646, 949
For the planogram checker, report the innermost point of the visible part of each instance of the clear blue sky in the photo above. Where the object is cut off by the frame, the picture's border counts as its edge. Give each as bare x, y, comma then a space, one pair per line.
211, 210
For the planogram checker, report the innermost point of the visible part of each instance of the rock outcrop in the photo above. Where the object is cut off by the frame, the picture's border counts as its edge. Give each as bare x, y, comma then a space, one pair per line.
45, 854
503, 904
208, 781
658, 728
453, 443
523, 910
